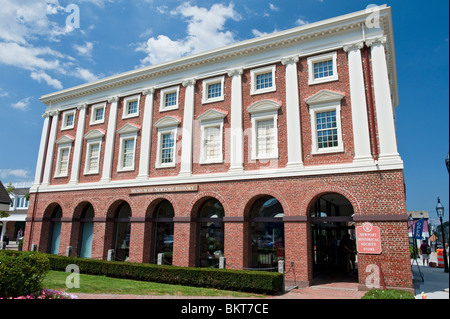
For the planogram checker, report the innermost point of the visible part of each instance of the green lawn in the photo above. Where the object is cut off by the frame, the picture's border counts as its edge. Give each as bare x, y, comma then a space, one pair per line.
106, 285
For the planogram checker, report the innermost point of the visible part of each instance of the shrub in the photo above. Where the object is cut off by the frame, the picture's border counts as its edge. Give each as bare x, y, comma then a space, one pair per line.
388, 294
227, 279
22, 274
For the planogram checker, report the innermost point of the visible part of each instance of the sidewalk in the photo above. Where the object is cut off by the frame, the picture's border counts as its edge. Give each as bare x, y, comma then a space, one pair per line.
436, 281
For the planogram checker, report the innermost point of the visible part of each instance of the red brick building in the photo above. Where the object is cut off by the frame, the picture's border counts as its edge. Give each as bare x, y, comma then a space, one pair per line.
269, 149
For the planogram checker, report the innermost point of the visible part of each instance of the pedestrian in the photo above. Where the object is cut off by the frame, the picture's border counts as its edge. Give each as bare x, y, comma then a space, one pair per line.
425, 249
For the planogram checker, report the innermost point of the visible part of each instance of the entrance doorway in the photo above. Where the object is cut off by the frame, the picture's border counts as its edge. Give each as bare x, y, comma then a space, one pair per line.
333, 233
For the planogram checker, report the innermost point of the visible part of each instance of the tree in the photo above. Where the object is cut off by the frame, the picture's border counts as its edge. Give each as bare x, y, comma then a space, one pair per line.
9, 188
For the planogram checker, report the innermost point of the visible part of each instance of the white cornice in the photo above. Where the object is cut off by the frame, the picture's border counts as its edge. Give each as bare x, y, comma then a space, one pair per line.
324, 96
306, 33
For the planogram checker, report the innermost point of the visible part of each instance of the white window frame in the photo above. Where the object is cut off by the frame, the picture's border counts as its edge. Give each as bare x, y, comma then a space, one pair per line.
255, 72
126, 102
64, 120
207, 83
321, 58
164, 92
94, 109
203, 156
161, 133
123, 139
262, 111
326, 107
61, 148
87, 166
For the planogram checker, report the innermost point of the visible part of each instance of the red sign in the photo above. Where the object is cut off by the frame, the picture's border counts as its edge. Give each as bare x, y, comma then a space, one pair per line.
368, 239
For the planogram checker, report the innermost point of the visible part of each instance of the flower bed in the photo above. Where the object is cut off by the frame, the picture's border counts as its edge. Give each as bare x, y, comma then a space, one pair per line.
47, 294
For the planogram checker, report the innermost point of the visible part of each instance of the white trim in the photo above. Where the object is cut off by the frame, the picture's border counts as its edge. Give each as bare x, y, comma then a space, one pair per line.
126, 102
163, 93
62, 147
255, 72
94, 108
206, 83
64, 119
205, 124
321, 58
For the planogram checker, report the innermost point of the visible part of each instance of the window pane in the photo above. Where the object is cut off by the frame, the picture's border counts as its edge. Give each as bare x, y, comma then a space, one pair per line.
214, 90
69, 120
128, 153
170, 99
264, 80
99, 114
212, 143
265, 137
64, 162
326, 129
132, 107
93, 157
323, 69
167, 146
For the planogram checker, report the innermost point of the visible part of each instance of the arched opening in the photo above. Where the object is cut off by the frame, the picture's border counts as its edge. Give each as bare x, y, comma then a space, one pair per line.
333, 233
86, 232
267, 233
122, 232
55, 231
210, 233
163, 232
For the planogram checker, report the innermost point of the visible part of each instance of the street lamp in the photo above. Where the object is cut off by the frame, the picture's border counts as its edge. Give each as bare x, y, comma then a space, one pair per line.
440, 213
447, 162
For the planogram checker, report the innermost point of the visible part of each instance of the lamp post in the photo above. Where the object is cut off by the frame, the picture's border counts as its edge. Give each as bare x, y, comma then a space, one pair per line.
440, 213
447, 162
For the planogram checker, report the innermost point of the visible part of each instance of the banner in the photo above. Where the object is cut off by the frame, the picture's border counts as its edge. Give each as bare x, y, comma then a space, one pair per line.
418, 228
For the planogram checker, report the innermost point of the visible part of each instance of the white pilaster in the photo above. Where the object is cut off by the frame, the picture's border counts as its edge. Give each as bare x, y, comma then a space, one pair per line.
360, 120
40, 159
50, 149
188, 123
146, 140
383, 102
294, 141
74, 175
236, 134
110, 138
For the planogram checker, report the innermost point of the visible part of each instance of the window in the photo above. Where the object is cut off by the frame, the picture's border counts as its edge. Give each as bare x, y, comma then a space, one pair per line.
131, 106
167, 140
63, 157
322, 68
263, 80
213, 90
68, 120
169, 99
98, 114
325, 112
93, 149
264, 115
211, 124
127, 148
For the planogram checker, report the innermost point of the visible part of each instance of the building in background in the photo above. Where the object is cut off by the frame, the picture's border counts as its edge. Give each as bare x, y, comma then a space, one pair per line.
269, 149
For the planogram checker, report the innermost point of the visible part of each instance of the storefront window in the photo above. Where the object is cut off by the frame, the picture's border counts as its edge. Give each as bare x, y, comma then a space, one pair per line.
267, 233
211, 233
55, 230
87, 231
164, 232
123, 231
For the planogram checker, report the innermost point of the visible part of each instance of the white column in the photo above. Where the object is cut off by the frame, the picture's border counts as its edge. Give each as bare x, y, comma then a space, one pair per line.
236, 134
50, 149
361, 137
188, 122
110, 138
40, 159
294, 140
146, 140
383, 102
74, 175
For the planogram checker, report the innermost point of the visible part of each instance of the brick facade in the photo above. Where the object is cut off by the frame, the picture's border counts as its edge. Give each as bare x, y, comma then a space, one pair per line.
373, 183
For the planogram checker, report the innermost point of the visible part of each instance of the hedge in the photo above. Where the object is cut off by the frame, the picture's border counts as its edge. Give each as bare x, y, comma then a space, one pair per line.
238, 280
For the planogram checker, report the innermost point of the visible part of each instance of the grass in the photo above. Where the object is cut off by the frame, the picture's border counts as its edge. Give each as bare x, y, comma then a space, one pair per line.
106, 285
388, 294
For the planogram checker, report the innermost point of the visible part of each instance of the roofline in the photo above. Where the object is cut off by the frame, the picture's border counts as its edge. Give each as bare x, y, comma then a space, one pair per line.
226, 52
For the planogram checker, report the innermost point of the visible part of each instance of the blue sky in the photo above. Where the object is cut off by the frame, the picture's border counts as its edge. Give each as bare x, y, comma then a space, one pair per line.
40, 53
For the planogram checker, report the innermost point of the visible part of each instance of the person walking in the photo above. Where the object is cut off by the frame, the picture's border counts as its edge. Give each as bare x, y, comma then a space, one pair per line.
425, 249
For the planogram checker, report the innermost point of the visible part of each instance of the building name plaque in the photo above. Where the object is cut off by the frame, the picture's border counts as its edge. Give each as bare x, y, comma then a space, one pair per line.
164, 189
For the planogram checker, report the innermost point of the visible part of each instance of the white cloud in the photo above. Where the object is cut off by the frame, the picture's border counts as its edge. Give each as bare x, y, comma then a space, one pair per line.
13, 173
84, 74
258, 33
3, 93
301, 21
84, 50
205, 31
42, 76
273, 7
22, 105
